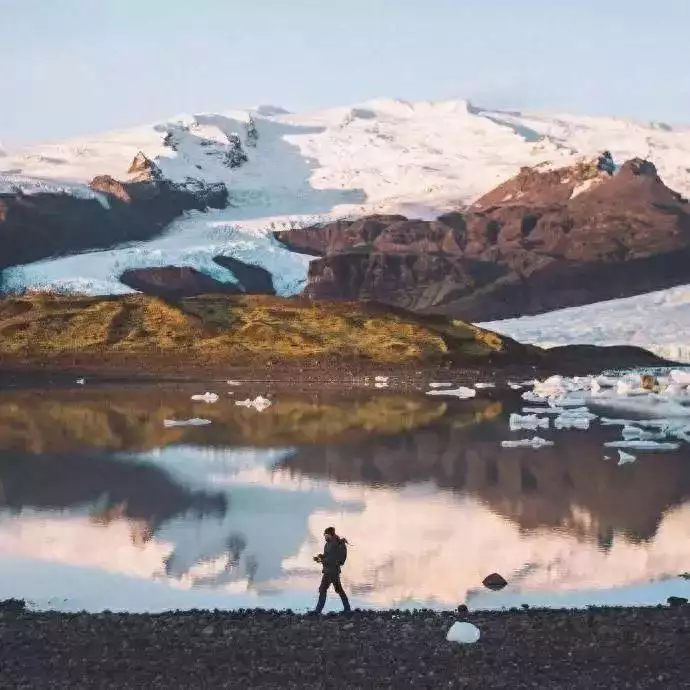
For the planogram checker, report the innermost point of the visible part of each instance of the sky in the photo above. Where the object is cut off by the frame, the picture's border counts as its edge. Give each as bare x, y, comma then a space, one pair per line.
75, 67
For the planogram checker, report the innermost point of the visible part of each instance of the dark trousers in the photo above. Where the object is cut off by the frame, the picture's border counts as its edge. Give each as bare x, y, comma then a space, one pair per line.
327, 580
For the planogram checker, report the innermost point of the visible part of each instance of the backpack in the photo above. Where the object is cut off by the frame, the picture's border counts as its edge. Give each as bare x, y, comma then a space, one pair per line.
343, 553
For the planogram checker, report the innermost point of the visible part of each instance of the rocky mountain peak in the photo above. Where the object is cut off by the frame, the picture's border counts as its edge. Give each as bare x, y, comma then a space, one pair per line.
545, 185
143, 169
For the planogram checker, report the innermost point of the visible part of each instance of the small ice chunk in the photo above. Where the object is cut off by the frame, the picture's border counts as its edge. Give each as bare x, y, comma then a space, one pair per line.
575, 411
680, 377
633, 433
630, 388
515, 386
259, 403
554, 385
80, 382
463, 633
675, 390
530, 421
574, 418
543, 410
435, 384
643, 444
381, 379
485, 385
206, 397
567, 401
624, 458
230, 382
607, 421
565, 421
623, 388
606, 381
531, 396
169, 423
381, 384
534, 443
461, 392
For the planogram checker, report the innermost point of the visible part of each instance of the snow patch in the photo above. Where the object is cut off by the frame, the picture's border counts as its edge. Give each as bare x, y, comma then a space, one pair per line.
584, 186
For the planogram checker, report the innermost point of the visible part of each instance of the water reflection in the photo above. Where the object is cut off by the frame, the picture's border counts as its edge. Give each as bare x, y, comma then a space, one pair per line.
569, 486
116, 418
93, 488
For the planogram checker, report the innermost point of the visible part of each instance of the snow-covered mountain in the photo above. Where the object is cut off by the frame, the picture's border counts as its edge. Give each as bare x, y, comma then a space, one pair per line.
418, 159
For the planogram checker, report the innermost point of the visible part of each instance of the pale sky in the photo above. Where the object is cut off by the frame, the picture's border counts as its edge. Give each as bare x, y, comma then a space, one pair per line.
72, 67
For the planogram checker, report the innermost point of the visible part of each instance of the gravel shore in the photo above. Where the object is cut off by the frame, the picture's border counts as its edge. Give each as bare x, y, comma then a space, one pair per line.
598, 648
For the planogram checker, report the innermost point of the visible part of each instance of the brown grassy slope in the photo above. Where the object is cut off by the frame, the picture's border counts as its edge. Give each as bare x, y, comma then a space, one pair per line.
234, 330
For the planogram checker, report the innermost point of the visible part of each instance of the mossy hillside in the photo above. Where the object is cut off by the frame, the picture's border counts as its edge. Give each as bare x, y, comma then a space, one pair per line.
237, 330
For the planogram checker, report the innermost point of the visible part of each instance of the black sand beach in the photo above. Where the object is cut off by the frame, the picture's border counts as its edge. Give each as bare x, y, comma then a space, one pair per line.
597, 648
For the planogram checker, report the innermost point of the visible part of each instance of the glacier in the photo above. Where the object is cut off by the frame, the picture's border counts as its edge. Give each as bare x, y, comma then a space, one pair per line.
381, 156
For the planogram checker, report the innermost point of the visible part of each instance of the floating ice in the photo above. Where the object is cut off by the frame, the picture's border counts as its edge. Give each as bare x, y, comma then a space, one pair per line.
530, 421
574, 418
80, 382
463, 633
381, 384
557, 410
259, 403
230, 382
565, 421
484, 385
515, 386
643, 444
554, 385
666, 427
206, 397
633, 433
624, 458
434, 384
534, 443
606, 381
624, 388
460, 392
531, 396
169, 423
680, 377
381, 379
567, 401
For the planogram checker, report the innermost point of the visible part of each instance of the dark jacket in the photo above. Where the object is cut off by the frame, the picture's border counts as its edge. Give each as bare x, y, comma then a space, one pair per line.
332, 555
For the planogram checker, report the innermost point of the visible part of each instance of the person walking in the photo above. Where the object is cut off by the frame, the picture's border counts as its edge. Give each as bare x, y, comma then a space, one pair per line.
332, 560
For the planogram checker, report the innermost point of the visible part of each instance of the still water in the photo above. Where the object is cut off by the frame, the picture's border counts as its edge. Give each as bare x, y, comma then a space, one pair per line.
104, 507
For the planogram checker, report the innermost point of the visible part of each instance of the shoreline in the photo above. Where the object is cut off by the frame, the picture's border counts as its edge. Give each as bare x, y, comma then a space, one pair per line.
337, 374
521, 648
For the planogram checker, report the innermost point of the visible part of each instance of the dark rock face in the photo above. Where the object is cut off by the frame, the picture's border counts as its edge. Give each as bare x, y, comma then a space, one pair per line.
546, 239
416, 281
174, 282
40, 226
253, 280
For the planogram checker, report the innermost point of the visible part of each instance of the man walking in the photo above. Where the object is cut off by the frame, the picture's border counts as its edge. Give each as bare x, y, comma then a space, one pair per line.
332, 560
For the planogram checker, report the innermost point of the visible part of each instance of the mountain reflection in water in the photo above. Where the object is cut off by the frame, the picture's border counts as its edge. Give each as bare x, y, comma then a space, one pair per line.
231, 513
